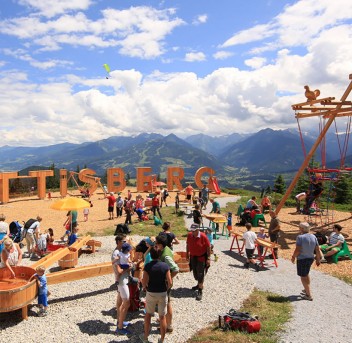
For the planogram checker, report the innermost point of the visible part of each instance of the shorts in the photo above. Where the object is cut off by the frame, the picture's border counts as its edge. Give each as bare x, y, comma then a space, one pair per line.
153, 299
324, 247
124, 291
249, 253
43, 300
303, 266
189, 196
198, 268
110, 208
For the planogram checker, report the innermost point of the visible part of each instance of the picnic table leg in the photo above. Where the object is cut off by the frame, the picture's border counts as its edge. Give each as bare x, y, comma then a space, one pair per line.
274, 257
233, 241
262, 257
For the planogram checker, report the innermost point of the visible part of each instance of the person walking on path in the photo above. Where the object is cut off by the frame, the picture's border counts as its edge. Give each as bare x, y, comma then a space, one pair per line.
204, 196
166, 255
250, 240
306, 246
156, 205
156, 281
198, 251
274, 230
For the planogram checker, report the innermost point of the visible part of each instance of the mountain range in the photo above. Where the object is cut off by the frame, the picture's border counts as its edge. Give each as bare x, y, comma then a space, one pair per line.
267, 152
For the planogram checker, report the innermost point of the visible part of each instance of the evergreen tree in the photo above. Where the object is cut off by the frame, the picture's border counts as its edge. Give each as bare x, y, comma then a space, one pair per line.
268, 190
342, 190
279, 185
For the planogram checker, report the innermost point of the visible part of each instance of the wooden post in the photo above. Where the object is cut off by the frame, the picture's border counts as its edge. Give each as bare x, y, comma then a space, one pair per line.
314, 148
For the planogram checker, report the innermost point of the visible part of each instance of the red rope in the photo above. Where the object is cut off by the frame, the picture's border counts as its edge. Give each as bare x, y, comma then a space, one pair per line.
302, 140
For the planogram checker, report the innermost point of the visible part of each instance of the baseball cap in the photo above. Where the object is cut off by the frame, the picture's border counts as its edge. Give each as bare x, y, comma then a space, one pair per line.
149, 241
194, 227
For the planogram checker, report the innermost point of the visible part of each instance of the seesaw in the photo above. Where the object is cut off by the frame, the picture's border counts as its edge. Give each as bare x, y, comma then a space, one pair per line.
18, 293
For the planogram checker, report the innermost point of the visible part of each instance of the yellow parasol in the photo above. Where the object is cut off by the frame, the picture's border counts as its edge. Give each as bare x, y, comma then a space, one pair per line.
69, 204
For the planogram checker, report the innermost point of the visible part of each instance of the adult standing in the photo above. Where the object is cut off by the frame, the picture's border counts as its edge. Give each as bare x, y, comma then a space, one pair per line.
32, 237
299, 197
71, 220
123, 293
274, 230
11, 256
111, 204
4, 231
129, 210
119, 205
215, 209
204, 196
189, 192
198, 252
171, 237
306, 246
167, 256
156, 205
156, 281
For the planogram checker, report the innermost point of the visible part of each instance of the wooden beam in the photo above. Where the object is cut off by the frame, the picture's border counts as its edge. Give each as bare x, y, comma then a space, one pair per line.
79, 273
314, 148
311, 102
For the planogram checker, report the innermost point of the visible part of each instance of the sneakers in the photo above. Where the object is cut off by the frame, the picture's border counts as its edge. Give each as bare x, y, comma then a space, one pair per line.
307, 297
42, 313
123, 331
199, 295
195, 288
142, 339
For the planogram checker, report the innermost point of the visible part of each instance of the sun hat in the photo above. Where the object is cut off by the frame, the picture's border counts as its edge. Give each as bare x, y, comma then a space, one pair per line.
194, 227
149, 241
126, 248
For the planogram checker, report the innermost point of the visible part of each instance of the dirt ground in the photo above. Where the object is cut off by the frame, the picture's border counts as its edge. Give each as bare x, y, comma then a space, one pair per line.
24, 208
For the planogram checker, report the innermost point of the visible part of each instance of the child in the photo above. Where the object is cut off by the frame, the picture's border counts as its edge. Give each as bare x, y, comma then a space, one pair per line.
42, 290
72, 237
125, 256
42, 243
50, 236
250, 239
197, 215
85, 214
229, 221
209, 233
262, 235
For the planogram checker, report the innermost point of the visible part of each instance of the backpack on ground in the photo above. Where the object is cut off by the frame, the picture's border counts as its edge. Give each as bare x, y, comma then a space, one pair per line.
122, 228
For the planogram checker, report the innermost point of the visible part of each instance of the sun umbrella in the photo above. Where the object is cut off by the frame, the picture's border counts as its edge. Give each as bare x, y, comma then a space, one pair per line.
69, 204
159, 183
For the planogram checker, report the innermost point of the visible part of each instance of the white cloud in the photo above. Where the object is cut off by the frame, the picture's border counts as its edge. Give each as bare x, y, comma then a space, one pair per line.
137, 31
195, 57
200, 19
55, 7
255, 62
222, 55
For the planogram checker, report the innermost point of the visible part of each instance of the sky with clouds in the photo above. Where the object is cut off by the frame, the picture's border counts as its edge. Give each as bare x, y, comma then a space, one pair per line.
182, 66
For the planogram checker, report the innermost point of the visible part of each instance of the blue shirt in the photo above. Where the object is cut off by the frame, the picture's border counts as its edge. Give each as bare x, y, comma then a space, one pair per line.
43, 288
307, 242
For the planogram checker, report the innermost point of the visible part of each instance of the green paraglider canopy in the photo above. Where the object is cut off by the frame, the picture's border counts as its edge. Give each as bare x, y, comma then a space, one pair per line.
106, 67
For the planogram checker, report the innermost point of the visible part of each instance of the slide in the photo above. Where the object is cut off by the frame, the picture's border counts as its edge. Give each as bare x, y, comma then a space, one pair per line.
215, 185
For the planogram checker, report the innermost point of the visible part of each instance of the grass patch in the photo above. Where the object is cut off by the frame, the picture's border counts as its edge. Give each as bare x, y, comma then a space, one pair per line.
147, 228
273, 311
342, 277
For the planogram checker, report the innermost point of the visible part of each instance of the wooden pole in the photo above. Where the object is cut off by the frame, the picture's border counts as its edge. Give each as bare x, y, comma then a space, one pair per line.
314, 148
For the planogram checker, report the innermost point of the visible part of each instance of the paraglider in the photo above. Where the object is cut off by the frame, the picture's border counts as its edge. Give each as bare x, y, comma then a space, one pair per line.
107, 69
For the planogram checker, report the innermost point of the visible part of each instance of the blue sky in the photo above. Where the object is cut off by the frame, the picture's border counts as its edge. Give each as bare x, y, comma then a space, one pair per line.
183, 67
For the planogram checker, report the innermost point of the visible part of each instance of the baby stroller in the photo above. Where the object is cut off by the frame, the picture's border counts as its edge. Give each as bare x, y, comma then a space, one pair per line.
16, 232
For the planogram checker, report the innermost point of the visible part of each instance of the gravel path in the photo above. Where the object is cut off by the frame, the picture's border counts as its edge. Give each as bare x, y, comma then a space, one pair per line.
83, 311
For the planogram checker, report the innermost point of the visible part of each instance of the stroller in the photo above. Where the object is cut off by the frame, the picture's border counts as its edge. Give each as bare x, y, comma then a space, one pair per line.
16, 232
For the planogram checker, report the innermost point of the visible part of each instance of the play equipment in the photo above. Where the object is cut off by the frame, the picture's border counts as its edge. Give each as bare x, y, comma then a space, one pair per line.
344, 252
213, 184
325, 109
18, 293
181, 261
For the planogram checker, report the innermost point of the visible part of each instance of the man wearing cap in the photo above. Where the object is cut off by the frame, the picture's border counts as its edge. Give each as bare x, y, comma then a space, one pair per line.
167, 256
306, 246
111, 204
198, 252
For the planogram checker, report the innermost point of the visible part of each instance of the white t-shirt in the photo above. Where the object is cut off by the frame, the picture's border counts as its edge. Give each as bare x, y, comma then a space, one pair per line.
3, 227
124, 258
34, 227
250, 238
